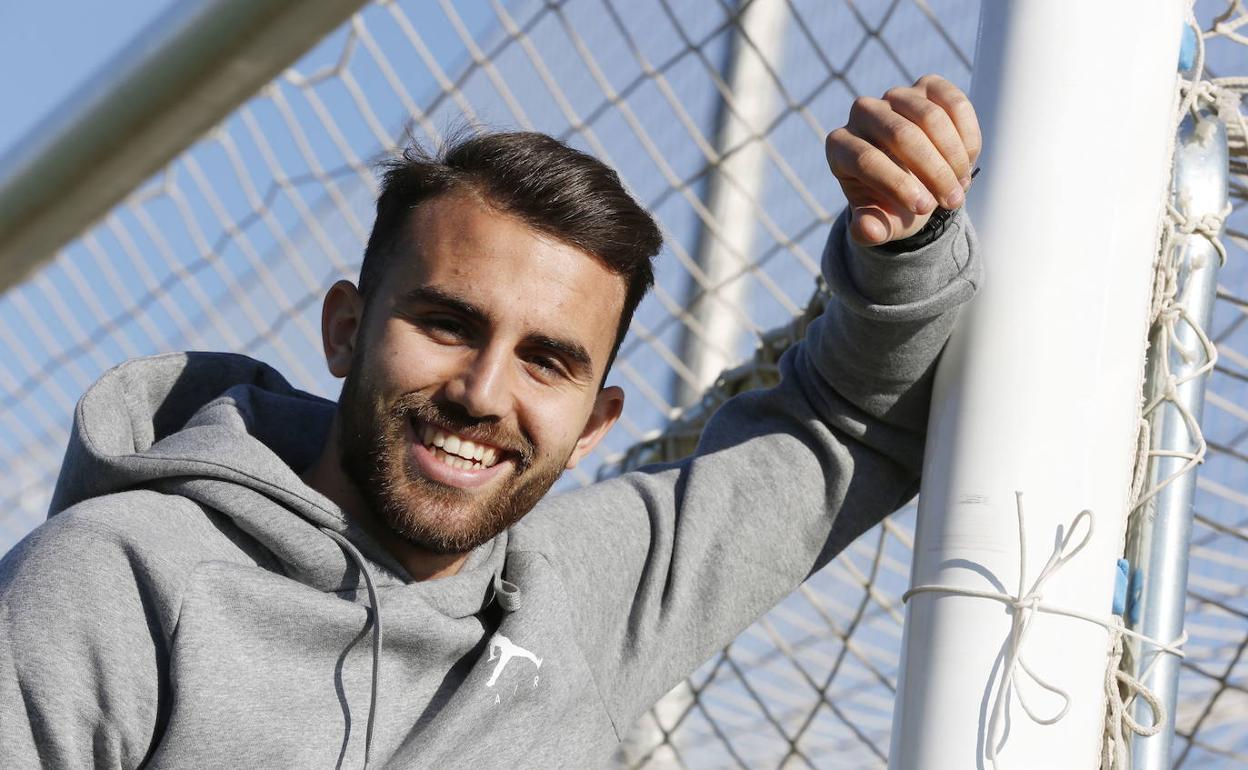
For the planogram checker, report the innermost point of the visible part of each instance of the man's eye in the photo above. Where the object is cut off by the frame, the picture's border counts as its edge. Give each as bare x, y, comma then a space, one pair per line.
547, 364
444, 326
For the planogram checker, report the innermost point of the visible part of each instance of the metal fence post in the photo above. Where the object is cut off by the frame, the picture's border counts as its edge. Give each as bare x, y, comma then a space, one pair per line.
734, 187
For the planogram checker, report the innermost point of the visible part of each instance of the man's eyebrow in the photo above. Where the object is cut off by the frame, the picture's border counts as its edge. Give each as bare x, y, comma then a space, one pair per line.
432, 295
574, 352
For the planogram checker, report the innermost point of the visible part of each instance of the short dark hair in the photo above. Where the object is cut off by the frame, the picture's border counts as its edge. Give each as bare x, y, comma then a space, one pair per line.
553, 188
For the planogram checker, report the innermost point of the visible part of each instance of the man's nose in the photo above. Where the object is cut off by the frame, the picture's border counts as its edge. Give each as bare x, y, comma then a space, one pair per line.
483, 387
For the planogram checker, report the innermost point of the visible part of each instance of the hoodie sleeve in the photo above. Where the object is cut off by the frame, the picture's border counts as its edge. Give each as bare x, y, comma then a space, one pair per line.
81, 652
664, 566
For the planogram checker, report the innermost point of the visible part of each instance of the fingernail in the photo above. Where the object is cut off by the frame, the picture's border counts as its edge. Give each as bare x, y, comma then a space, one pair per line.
965, 182
924, 203
954, 199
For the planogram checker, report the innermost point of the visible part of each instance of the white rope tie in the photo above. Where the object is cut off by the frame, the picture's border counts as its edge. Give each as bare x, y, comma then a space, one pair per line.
1028, 601
1168, 312
1119, 683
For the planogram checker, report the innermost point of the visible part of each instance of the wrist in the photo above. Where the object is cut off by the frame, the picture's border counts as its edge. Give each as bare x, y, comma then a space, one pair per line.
935, 227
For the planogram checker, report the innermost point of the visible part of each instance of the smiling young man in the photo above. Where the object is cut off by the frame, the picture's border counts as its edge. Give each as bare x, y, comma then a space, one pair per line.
238, 574
474, 371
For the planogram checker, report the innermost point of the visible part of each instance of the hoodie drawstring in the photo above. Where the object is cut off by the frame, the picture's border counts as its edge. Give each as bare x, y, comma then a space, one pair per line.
356, 556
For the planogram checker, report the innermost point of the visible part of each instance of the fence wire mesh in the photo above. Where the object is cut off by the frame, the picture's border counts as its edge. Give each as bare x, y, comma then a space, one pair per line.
232, 244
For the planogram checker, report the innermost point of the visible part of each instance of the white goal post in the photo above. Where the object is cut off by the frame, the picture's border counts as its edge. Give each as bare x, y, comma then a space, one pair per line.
1038, 391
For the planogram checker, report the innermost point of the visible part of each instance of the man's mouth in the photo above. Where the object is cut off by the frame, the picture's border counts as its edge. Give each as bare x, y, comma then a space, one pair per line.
455, 450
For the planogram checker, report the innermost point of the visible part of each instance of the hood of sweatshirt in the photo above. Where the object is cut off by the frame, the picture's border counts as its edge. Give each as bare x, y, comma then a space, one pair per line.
230, 433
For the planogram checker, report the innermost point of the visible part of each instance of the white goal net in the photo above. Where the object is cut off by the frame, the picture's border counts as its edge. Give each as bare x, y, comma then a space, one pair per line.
232, 244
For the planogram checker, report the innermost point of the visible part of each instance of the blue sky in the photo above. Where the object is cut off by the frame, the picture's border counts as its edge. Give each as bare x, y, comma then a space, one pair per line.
49, 48
196, 263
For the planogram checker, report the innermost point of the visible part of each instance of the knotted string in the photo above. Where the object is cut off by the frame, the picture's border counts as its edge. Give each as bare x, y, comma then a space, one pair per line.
1025, 603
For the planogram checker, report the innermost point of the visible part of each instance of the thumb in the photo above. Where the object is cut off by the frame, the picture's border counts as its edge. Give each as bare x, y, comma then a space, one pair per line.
869, 226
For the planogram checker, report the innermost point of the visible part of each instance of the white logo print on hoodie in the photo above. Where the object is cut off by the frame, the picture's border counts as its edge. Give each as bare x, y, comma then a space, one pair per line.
504, 649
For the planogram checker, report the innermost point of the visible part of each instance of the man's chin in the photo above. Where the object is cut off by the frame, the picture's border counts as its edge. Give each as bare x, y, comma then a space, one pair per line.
445, 519
439, 546
444, 544
447, 533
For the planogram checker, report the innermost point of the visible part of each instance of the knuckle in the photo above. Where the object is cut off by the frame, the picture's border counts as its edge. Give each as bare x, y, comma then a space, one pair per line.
895, 93
928, 115
862, 106
899, 131
961, 105
837, 137
836, 145
867, 158
960, 109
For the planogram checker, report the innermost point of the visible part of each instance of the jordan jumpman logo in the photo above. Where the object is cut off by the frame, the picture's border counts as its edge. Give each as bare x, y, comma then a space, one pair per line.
504, 650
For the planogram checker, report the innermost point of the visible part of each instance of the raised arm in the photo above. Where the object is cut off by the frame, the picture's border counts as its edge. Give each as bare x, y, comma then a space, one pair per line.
663, 566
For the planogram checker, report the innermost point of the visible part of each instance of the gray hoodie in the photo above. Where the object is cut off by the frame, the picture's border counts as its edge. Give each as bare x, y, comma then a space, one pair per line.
192, 603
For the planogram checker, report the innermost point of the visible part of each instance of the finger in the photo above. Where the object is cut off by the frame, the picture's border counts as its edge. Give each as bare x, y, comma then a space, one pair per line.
870, 226
960, 111
870, 177
913, 104
904, 140
886, 202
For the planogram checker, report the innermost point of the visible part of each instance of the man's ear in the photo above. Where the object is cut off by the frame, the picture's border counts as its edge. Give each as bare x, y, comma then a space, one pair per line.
342, 320
607, 408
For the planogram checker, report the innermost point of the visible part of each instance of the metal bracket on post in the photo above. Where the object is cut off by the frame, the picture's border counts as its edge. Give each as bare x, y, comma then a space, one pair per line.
1160, 530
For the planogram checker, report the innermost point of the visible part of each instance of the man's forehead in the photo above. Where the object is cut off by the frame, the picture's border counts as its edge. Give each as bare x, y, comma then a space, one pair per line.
466, 223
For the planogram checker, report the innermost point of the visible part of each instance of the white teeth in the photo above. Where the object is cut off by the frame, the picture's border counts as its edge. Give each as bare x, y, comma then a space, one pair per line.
456, 451
453, 460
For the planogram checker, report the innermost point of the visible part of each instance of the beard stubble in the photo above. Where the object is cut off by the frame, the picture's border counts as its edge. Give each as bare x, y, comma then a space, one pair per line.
376, 456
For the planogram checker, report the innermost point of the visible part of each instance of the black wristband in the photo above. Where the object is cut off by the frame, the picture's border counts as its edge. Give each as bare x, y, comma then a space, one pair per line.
931, 231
